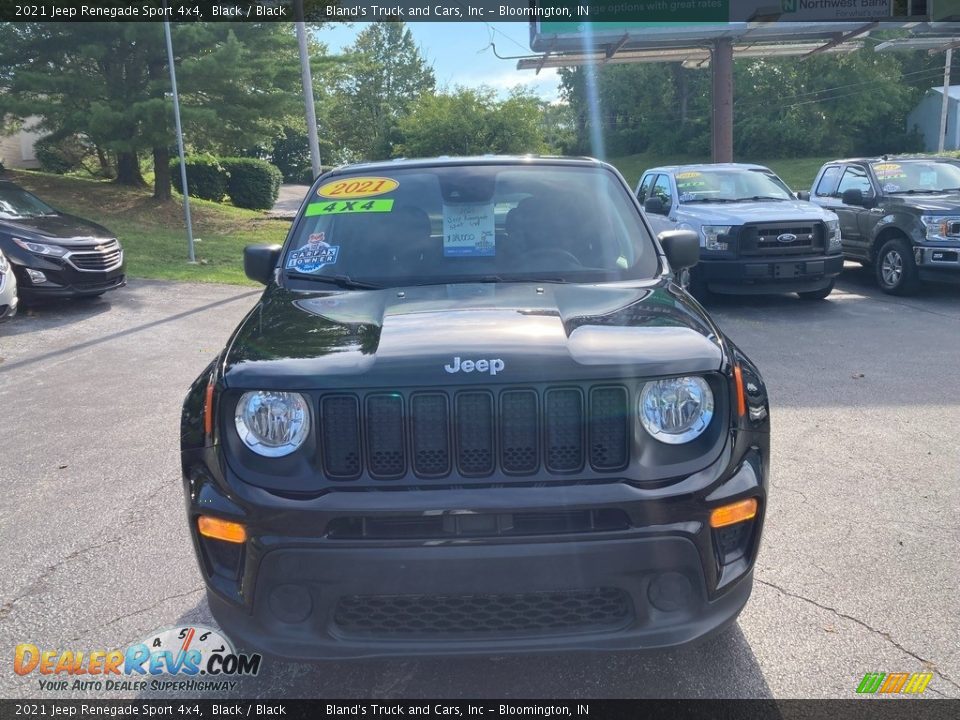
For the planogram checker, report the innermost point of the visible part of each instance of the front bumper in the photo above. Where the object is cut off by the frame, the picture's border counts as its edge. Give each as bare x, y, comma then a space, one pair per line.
756, 275
63, 279
938, 263
298, 588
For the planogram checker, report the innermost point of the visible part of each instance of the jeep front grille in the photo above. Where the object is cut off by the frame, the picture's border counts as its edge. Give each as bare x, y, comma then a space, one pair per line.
474, 433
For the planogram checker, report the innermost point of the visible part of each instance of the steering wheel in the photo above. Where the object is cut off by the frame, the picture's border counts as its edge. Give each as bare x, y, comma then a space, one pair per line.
565, 256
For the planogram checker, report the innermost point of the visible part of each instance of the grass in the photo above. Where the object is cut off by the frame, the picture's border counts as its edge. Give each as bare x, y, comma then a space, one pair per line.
153, 234
797, 173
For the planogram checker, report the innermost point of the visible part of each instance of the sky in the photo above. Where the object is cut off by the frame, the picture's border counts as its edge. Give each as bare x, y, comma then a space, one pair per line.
460, 53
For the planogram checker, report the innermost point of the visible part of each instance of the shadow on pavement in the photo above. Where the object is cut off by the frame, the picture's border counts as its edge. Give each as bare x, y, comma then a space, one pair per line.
721, 667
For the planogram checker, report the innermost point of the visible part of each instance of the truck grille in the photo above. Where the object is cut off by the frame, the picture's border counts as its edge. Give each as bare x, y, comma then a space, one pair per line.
774, 238
488, 614
97, 258
473, 433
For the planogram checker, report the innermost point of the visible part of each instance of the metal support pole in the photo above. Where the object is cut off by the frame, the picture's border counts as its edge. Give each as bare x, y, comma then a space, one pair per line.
307, 79
946, 102
722, 68
183, 165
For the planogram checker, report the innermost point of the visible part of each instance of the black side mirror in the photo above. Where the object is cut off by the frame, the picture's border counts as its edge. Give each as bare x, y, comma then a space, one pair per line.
655, 206
259, 262
803, 195
682, 247
853, 196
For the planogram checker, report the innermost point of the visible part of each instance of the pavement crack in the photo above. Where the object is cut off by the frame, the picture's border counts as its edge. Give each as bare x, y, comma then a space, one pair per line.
140, 611
45, 574
882, 633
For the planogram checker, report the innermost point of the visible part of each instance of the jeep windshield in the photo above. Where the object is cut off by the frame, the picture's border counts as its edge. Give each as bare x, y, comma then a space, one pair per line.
917, 176
730, 185
469, 223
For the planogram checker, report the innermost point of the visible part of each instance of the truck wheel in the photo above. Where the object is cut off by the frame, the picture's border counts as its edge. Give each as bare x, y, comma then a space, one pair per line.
895, 269
817, 294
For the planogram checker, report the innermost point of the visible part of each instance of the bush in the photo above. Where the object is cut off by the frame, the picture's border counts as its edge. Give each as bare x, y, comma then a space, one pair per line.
206, 177
253, 183
61, 153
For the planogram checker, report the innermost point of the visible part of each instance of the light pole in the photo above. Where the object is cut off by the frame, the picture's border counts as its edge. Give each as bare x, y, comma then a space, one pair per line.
307, 80
183, 165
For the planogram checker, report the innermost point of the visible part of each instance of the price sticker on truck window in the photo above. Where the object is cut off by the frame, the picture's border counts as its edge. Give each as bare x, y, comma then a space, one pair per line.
357, 187
468, 230
339, 207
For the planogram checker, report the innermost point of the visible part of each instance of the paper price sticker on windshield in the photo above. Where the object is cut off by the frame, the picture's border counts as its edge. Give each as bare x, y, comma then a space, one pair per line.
887, 171
338, 207
358, 187
468, 230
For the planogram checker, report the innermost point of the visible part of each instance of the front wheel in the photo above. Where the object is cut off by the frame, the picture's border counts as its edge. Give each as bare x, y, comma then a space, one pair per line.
895, 269
817, 294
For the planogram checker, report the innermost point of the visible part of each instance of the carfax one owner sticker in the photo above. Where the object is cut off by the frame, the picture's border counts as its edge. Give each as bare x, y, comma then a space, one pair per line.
185, 653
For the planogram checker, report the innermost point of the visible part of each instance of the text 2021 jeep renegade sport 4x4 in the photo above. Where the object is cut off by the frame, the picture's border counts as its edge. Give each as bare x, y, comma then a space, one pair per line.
472, 413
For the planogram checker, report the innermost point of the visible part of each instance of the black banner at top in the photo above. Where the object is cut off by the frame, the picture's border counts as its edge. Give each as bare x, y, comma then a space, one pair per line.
565, 15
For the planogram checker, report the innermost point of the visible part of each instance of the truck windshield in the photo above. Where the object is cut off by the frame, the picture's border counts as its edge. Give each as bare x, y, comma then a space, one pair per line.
16, 204
730, 185
470, 223
924, 176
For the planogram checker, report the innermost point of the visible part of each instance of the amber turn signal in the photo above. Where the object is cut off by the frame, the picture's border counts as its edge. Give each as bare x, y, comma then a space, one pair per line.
734, 513
208, 410
218, 529
741, 395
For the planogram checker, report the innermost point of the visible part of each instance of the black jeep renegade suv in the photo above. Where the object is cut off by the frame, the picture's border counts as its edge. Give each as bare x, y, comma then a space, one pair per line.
471, 413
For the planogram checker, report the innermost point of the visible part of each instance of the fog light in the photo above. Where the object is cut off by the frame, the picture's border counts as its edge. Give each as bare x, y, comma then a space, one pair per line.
290, 603
36, 277
670, 591
218, 529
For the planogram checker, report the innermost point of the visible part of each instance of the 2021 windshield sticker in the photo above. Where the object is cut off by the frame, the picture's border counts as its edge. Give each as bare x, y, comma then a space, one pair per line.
357, 187
338, 207
889, 171
313, 256
468, 230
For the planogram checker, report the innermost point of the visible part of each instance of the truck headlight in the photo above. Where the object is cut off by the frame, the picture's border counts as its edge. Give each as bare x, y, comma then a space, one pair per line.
710, 237
676, 410
41, 248
272, 423
834, 240
938, 227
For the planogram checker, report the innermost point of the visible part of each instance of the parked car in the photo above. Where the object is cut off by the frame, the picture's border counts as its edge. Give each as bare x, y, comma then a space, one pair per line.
756, 236
900, 216
54, 254
8, 289
473, 413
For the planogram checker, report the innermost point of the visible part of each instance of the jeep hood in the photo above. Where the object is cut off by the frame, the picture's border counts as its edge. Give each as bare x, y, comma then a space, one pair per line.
751, 212
403, 337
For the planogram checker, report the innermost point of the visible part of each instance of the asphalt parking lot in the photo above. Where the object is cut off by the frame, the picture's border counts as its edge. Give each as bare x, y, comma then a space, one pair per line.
859, 570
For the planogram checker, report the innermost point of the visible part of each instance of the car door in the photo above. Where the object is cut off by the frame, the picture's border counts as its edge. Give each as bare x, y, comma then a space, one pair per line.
643, 189
854, 218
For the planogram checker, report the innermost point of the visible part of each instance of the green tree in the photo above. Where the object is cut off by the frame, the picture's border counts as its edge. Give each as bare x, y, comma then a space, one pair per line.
385, 76
110, 82
472, 122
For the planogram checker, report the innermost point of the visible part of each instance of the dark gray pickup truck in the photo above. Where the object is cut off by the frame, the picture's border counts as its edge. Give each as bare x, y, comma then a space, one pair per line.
900, 216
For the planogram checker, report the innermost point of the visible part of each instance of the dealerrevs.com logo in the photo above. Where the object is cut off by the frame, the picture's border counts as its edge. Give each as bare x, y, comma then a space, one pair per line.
198, 657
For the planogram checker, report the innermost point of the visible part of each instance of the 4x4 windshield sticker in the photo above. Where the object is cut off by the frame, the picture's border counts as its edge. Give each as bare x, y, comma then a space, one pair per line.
348, 206
313, 256
357, 187
468, 230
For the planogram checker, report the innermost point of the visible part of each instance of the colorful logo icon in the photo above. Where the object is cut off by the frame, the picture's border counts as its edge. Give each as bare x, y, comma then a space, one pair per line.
889, 683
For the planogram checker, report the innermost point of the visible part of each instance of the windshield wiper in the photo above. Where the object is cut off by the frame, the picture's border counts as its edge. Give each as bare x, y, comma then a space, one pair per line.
759, 197
710, 200
916, 192
465, 280
341, 281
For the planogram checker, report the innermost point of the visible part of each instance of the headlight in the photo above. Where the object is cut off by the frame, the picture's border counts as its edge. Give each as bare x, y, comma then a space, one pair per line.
938, 227
272, 423
834, 242
676, 410
710, 237
40, 248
